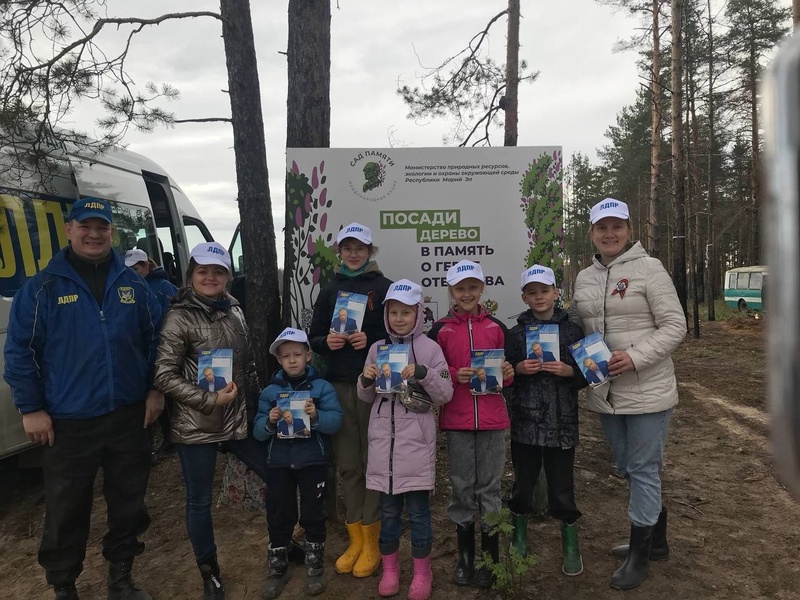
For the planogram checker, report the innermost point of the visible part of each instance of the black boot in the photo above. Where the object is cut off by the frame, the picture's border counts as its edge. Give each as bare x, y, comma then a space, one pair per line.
66, 591
121, 585
315, 568
637, 564
466, 554
278, 571
490, 544
659, 549
212, 582
296, 553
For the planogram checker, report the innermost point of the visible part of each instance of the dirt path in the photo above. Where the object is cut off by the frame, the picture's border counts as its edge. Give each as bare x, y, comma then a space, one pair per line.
733, 528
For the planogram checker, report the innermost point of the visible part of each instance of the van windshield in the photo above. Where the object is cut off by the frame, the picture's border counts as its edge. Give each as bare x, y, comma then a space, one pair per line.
32, 231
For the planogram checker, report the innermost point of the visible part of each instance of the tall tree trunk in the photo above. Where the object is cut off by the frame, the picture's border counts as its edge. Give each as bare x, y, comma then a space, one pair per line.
754, 241
540, 504
653, 241
308, 98
711, 262
252, 180
678, 176
692, 167
796, 12
512, 74
308, 125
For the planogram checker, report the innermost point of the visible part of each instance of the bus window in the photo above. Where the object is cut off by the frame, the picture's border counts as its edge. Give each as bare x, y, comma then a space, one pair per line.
755, 281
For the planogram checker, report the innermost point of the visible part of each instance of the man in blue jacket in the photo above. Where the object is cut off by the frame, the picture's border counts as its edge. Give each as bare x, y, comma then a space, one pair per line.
211, 382
79, 358
482, 383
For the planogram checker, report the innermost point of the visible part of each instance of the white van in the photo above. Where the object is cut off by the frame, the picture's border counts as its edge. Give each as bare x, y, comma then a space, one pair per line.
150, 212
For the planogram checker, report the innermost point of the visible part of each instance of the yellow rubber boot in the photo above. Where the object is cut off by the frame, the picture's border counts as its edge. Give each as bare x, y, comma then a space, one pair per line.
370, 558
350, 556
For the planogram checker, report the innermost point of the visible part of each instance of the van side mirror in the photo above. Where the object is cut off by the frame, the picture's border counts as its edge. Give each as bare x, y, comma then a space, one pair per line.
782, 232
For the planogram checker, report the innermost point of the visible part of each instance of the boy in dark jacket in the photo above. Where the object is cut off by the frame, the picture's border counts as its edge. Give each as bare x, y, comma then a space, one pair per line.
544, 416
296, 462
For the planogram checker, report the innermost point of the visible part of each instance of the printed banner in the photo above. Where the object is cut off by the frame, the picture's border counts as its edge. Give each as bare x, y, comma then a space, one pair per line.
428, 208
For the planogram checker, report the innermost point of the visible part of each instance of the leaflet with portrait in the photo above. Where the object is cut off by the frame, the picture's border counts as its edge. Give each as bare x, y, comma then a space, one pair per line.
592, 355
214, 369
348, 312
542, 342
487, 368
293, 422
391, 360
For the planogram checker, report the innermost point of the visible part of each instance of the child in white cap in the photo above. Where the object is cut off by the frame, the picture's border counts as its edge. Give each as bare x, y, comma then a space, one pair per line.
474, 423
402, 449
346, 353
630, 299
544, 416
297, 463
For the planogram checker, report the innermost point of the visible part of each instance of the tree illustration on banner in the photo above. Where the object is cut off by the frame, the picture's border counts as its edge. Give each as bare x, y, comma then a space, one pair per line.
542, 203
310, 252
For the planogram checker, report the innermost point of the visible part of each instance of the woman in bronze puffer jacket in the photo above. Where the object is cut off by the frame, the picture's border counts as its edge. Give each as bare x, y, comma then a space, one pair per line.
206, 325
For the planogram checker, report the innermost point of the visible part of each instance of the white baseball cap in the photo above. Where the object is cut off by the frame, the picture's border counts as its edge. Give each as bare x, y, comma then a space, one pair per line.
134, 256
539, 274
609, 208
288, 335
211, 253
355, 230
464, 269
405, 291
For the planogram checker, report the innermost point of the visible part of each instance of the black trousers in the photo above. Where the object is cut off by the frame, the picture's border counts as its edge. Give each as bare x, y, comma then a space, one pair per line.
558, 467
119, 444
282, 487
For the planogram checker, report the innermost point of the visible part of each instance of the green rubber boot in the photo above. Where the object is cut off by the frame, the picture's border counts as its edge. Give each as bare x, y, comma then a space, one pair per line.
519, 540
573, 563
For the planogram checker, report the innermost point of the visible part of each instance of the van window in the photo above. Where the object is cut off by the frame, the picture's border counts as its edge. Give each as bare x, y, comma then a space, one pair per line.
196, 233
755, 281
237, 254
32, 231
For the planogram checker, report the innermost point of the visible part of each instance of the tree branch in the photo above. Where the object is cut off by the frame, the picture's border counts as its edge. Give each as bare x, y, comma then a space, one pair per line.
207, 120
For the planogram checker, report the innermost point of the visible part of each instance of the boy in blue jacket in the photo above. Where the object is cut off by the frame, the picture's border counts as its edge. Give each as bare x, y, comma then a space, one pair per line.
296, 462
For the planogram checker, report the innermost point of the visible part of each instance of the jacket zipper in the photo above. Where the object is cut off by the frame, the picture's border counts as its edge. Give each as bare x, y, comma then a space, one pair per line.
107, 343
476, 416
391, 452
605, 299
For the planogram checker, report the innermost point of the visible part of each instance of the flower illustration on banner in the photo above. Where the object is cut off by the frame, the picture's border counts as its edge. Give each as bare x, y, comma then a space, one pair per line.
541, 201
310, 255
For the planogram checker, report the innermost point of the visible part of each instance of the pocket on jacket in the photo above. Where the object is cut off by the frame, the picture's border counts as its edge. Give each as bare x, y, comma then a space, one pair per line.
212, 423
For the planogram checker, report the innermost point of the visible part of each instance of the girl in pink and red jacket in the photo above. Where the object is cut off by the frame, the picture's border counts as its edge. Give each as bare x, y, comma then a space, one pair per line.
474, 423
401, 461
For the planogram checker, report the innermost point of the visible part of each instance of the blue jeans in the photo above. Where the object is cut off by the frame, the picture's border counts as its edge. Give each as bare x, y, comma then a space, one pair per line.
198, 462
418, 504
637, 446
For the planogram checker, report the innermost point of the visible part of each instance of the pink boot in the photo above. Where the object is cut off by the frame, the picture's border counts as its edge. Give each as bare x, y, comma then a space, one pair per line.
422, 582
390, 580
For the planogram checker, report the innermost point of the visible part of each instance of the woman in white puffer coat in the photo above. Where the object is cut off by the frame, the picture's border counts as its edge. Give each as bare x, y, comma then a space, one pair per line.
630, 299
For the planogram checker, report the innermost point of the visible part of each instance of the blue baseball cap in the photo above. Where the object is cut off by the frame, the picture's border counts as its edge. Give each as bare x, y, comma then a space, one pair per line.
91, 208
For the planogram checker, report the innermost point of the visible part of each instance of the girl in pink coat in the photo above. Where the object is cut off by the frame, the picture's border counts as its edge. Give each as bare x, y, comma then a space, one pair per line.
475, 424
402, 439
